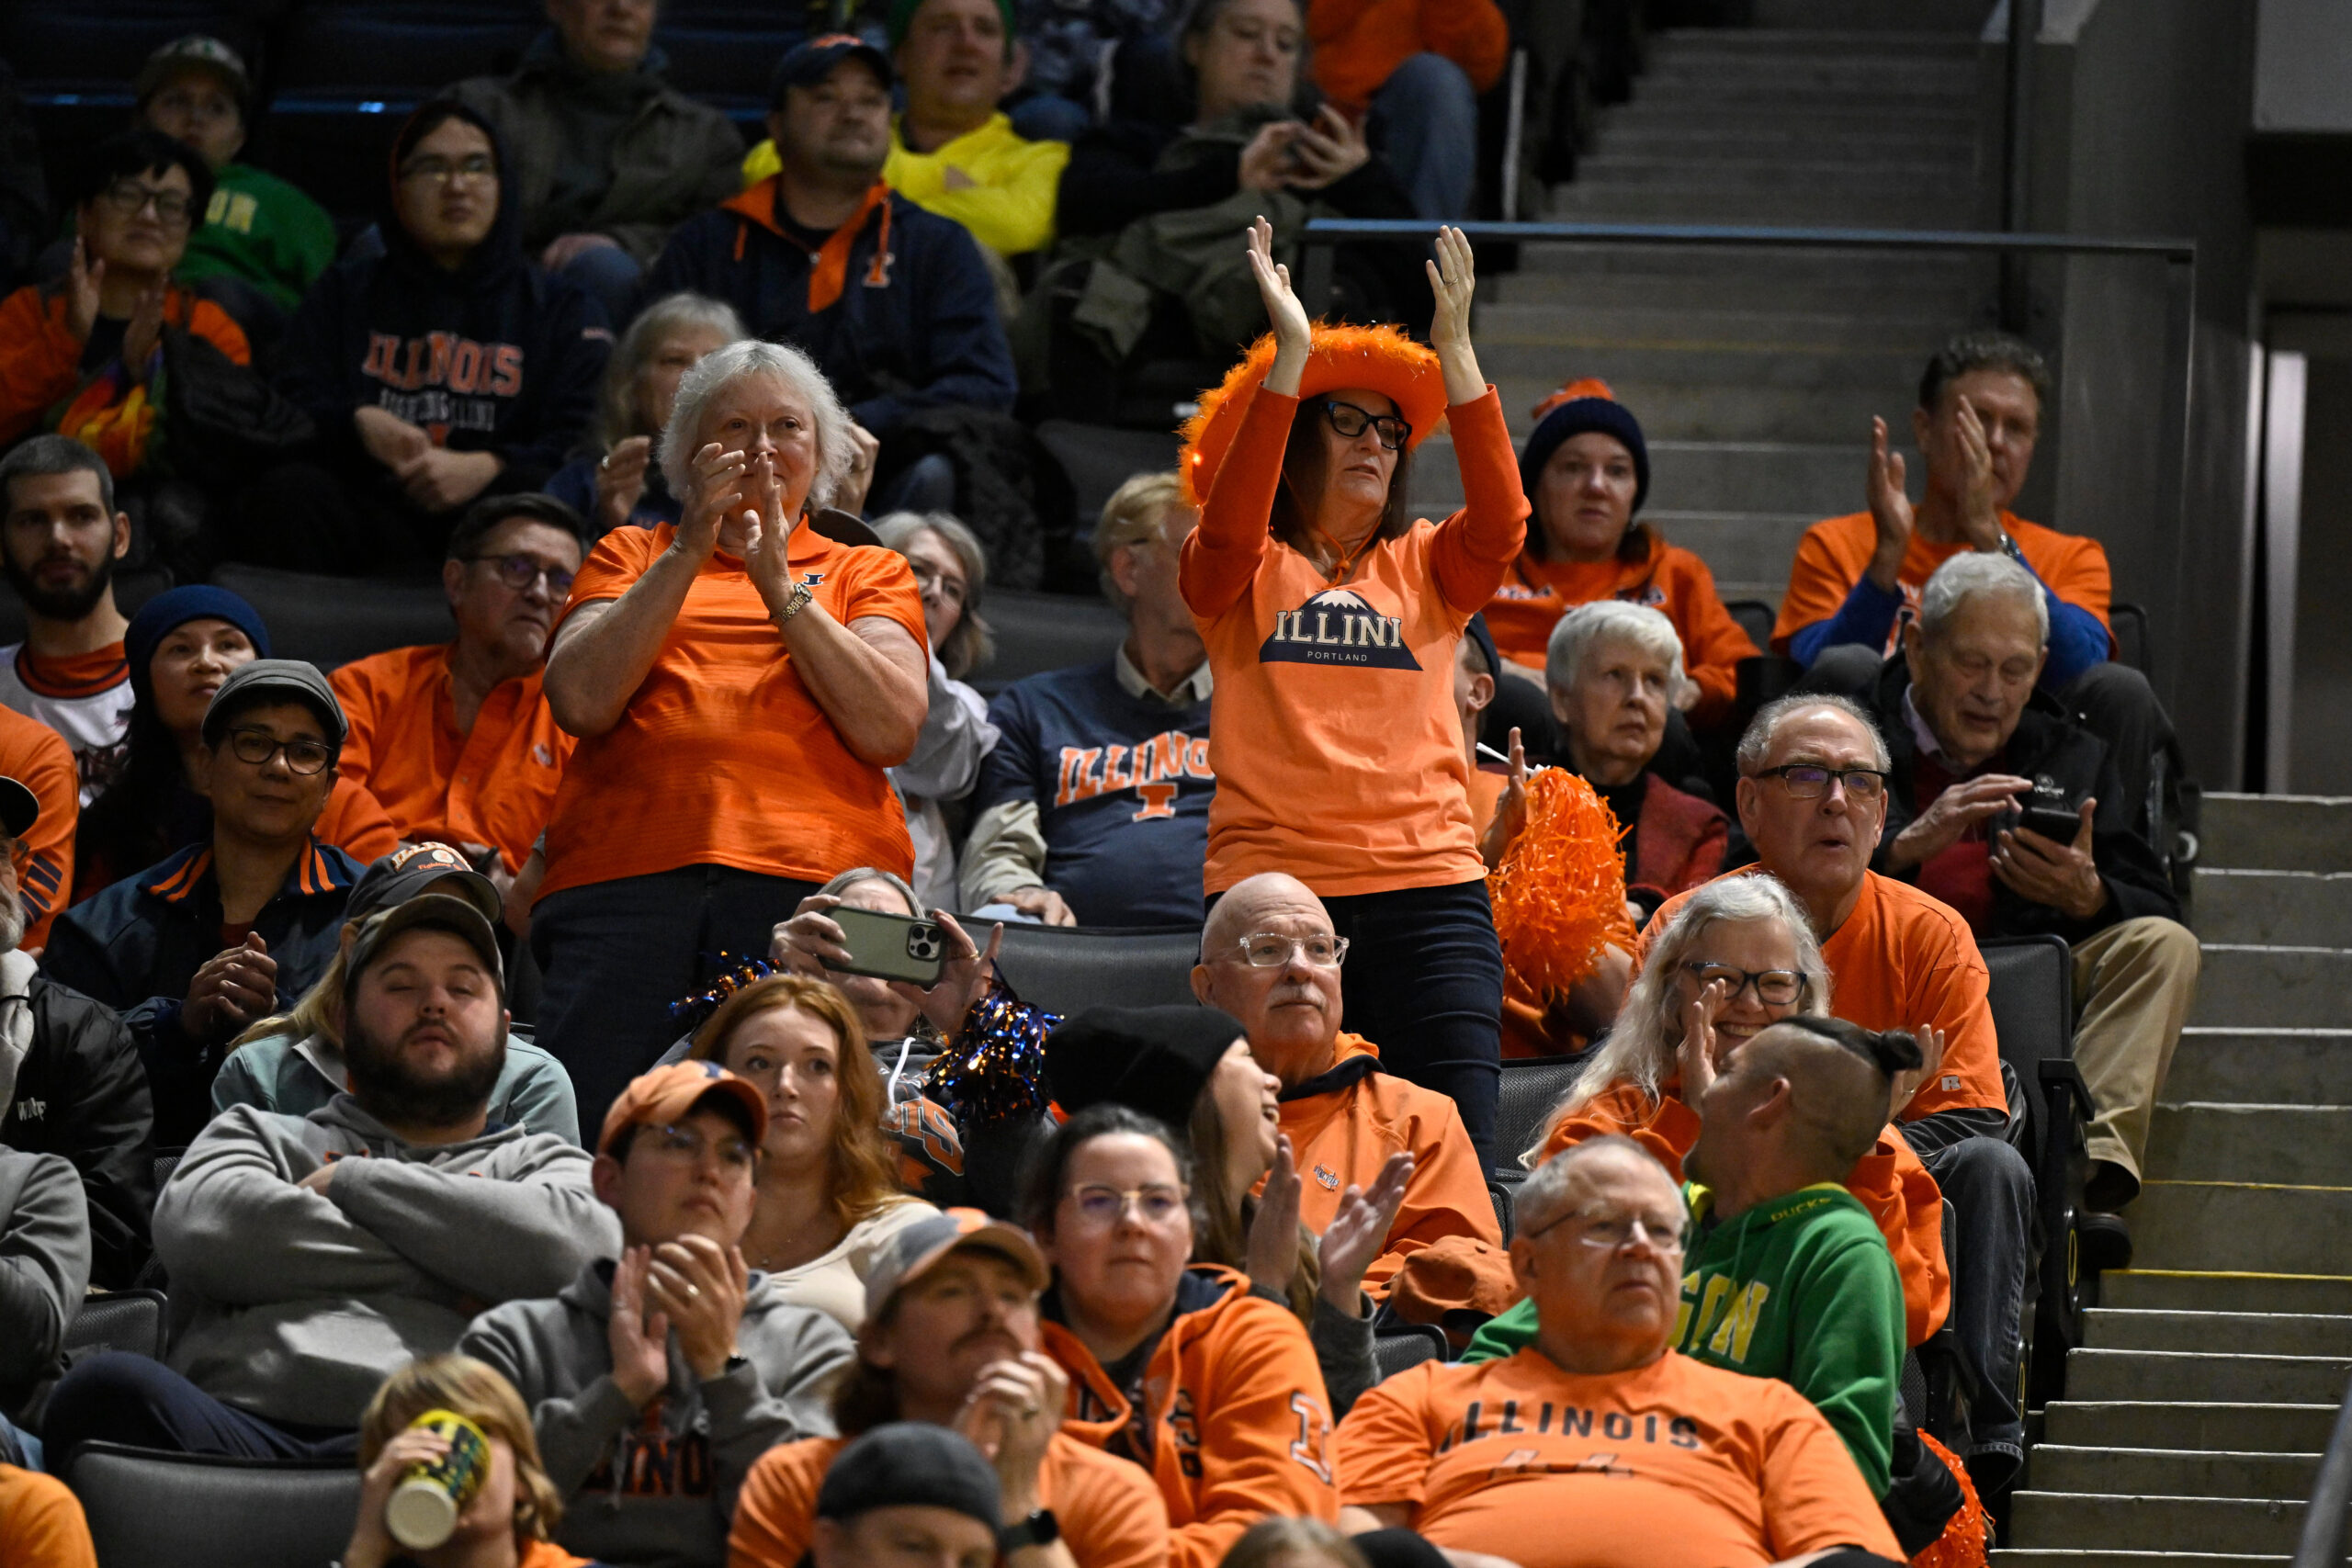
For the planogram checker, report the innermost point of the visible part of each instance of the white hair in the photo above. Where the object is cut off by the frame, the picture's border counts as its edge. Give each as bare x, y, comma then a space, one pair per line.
1969, 574
751, 359
1757, 743
1587, 626
1641, 1046
616, 412
1543, 1196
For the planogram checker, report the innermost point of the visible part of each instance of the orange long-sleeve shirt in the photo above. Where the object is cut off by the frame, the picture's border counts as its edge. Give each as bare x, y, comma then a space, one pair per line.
1333, 733
1359, 43
42, 383
1836, 552
1240, 1429
37, 758
1889, 1181
1671, 580
495, 785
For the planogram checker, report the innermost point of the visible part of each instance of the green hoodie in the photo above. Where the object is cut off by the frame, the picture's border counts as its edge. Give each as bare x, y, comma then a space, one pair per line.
1801, 1289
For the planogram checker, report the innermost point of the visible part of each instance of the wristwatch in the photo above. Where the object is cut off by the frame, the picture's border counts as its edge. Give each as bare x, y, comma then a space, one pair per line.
1040, 1528
795, 602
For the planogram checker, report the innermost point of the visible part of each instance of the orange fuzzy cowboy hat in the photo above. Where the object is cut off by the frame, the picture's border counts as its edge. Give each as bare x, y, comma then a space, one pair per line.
1383, 358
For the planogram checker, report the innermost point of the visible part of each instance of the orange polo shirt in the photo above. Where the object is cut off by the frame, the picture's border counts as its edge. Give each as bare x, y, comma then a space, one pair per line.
1836, 552
495, 787
1333, 733
37, 758
723, 757
1671, 580
1905, 960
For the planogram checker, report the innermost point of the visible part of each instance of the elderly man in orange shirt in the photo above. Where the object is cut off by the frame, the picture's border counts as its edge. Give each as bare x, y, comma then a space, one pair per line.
1811, 799
454, 738
1269, 958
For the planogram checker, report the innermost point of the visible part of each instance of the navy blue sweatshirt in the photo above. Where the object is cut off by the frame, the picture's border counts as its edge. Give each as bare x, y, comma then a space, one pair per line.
494, 356
915, 326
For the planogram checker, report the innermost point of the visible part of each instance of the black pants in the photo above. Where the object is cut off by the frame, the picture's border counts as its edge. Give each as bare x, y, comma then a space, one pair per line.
118, 1397
1991, 1191
617, 954
1424, 982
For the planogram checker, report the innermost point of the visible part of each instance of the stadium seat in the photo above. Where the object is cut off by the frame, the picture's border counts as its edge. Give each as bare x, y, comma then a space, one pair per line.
1501, 1195
1100, 459
149, 1509
131, 589
71, 54
1394, 1346
2033, 1014
166, 1162
1755, 618
2129, 624
1037, 632
1064, 969
126, 1320
723, 50
1532, 1086
334, 620
347, 52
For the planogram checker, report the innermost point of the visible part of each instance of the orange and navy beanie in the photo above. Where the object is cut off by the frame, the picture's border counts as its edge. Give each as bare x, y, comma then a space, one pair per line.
1576, 408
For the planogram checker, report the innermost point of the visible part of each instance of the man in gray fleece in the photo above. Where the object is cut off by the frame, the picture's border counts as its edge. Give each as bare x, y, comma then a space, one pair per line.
44, 1270
656, 1381
310, 1256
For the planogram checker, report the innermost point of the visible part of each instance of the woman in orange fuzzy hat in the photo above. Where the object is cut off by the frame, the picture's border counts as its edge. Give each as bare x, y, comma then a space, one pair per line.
1331, 619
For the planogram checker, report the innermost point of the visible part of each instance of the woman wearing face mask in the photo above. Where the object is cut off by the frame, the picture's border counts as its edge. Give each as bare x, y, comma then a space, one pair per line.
1332, 620
1737, 958
829, 1199
1191, 1069
615, 480
181, 646
1179, 1367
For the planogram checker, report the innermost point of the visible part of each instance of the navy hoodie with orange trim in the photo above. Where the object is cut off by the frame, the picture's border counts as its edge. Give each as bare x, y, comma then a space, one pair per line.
137, 946
914, 327
497, 356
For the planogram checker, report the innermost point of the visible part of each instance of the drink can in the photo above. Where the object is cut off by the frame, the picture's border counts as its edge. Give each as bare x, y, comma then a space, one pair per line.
423, 1510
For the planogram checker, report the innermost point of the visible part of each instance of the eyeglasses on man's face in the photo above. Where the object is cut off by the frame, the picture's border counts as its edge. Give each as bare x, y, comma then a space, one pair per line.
688, 1146
1352, 422
1811, 781
1611, 1230
1272, 950
518, 572
256, 747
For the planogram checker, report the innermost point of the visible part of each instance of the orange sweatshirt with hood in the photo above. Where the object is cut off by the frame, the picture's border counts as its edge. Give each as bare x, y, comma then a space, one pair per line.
1344, 1125
1889, 1181
1240, 1428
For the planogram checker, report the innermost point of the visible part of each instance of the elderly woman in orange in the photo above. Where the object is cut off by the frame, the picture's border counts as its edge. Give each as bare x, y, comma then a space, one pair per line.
740, 682
1331, 619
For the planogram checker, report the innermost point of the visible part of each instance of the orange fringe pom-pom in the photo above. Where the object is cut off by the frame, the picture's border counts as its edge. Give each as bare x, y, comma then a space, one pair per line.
1968, 1532
1591, 387
1559, 894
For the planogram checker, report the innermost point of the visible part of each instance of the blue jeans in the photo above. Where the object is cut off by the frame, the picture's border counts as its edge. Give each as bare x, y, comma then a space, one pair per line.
1424, 121
618, 955
119, 1397
1424, 982
610, 275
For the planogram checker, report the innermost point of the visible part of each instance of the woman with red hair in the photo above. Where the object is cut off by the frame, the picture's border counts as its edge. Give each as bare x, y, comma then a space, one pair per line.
1331, 619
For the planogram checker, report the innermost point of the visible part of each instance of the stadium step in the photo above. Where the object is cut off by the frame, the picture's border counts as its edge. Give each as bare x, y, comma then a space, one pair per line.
2206, 1427
2245, 983
2270, 907
2305, 1066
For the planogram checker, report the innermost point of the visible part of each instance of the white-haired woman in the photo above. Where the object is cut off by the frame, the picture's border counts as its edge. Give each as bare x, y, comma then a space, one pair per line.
740, 682
615, 481
951, 571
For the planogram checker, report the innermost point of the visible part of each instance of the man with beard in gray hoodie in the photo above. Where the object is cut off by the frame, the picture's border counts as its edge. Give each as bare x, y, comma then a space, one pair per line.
311, 1257
655, 1381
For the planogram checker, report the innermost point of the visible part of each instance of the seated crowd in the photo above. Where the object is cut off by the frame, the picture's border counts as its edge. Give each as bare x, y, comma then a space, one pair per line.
512, 1004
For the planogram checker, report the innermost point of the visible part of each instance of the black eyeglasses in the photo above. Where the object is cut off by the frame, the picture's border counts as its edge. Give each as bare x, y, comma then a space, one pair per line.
127, 196
1774, 987
256, 747
1352, 422
1810, 781
478, 166
518, 572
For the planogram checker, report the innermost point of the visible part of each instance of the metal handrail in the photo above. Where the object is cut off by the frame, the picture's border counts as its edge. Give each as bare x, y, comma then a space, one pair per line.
2321, 1545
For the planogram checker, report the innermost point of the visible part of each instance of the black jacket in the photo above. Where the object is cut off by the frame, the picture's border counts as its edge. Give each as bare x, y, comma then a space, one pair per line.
81, 1093
2048, 742
496, 356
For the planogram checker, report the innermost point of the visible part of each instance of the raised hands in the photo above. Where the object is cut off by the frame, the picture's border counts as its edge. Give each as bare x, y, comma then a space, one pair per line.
1011, 1415
144, 332
1970, 456
1358, 1232
1293, 336
82, 278
1273, 1230
1510, 811
1890, 506
1907, 1084
640, 1340
620, 480
767, 534
717, 481
1696, 1056
699, 1286
1452, 279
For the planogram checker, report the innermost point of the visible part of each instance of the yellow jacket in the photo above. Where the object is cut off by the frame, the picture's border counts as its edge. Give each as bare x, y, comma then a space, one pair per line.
1006, 197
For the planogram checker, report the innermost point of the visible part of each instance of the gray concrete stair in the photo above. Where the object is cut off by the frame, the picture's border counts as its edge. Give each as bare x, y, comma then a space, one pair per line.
2234, 1526
2206, 1376
2292, 908
2311, 1067
2278, 832
2245, 983
2172, 1472
2184, 1424
2146, 1288
2241, 1226
2294, 1144
2244, 1333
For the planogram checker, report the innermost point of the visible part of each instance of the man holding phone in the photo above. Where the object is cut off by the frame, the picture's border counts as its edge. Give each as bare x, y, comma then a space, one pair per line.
2004, 805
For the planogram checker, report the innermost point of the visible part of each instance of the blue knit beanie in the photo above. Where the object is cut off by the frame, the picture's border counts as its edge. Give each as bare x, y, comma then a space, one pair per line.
1575, 408
167, 612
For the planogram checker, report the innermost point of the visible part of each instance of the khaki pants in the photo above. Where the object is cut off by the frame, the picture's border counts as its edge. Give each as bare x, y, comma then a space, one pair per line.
2133, 983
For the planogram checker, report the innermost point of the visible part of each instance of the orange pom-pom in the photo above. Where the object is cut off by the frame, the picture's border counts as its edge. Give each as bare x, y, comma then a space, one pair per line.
1967, 1533
1559, 894
1591, 387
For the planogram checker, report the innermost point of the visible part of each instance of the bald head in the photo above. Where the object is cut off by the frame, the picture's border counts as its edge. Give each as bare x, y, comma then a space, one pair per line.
1568, 1180
1290, 1009
1796, 1105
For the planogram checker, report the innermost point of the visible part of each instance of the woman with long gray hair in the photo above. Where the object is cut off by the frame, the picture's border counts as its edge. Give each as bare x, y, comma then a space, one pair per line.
740, 682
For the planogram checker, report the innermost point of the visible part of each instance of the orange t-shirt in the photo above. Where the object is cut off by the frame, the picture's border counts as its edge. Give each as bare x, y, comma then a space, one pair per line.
355, 821
722, 756
1672, 582
1905, 960
37, 758
1889, 1181
1109, 1511
1671, 1464
495, 786
40, 1523
1836, 552
1333, 733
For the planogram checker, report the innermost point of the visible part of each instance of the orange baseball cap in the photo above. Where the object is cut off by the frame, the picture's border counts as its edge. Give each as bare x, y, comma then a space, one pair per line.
665, 1094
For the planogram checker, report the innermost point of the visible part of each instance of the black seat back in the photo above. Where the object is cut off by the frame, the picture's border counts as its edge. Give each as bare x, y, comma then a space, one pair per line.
1532, 1086
2129, 624
1755, 618
127, 1320
163, 1510
1037, 632
1065, 968
334, 620
2033, 1012
1396, 1346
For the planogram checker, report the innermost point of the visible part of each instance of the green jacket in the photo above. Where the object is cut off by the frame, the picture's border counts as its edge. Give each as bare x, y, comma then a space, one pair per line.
1801, 1289
263, 231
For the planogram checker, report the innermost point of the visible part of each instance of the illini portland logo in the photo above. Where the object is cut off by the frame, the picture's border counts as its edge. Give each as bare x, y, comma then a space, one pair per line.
1337, 626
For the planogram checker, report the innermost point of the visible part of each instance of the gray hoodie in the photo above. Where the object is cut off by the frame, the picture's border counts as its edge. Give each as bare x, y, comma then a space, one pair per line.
657, 1488
294, 1304
45, 1266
